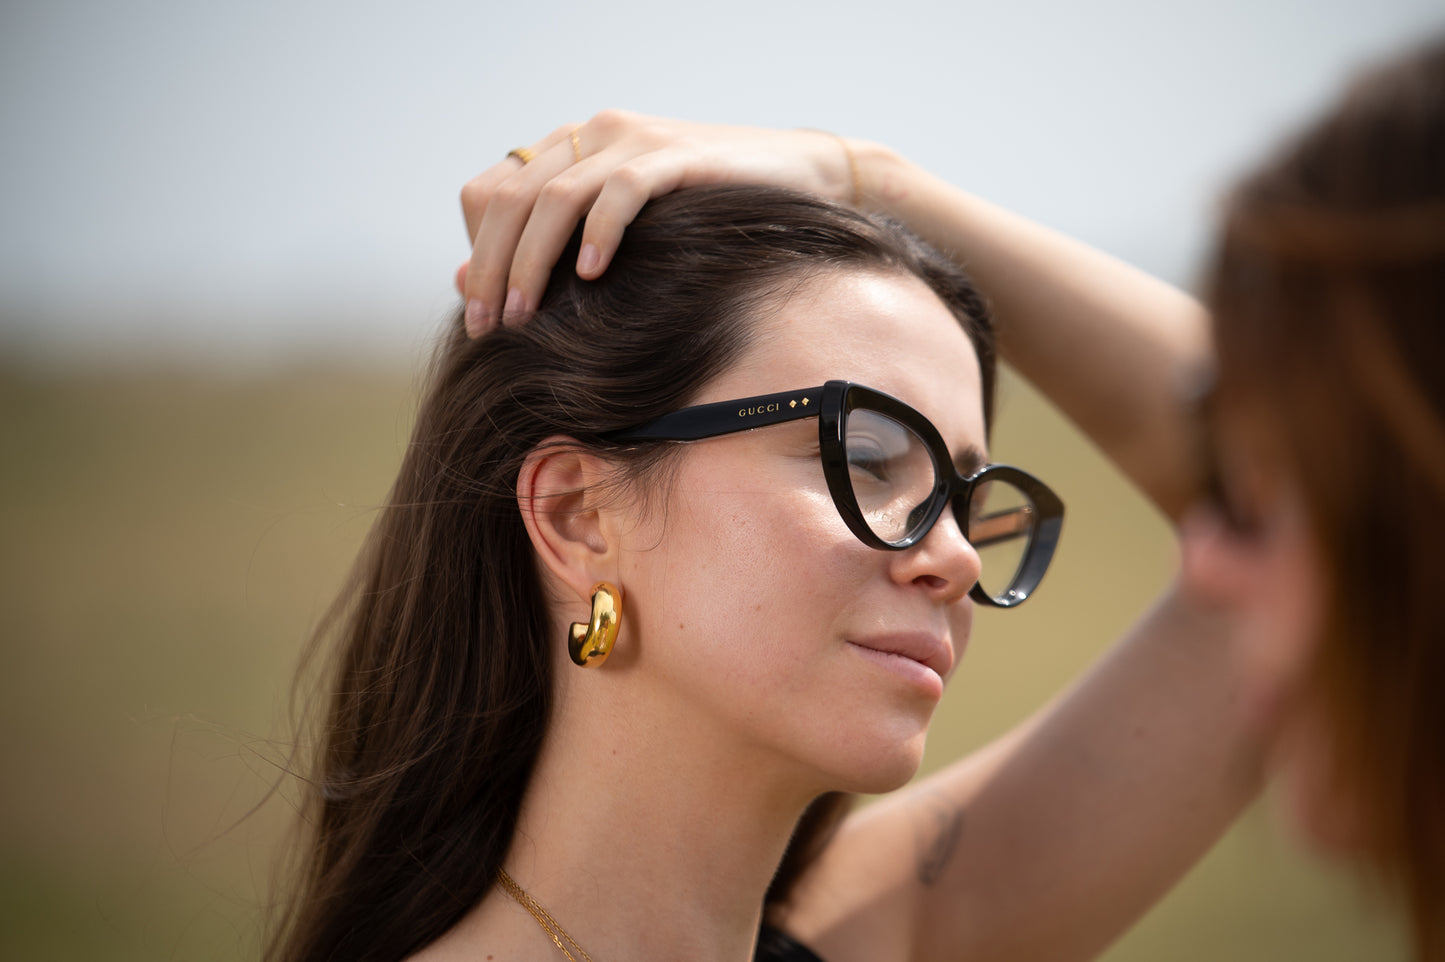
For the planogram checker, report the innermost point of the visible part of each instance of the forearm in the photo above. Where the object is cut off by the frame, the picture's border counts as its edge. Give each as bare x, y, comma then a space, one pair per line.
1117, 350
1089, 812
1053, 840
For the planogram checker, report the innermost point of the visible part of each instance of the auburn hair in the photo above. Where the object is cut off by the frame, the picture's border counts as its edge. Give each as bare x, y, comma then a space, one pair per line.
1328, 293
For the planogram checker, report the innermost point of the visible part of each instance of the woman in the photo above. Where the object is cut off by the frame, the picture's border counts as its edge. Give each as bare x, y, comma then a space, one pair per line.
1327, 294
1328, 290
747, 467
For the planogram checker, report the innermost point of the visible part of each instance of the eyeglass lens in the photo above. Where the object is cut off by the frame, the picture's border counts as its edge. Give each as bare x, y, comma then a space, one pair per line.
1000, 527
891, 471
894, 478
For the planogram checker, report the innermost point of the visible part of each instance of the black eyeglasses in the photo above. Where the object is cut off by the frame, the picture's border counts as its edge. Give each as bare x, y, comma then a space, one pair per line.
891, 476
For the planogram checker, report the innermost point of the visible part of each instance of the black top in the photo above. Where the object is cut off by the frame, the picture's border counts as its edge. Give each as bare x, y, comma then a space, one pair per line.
775, 946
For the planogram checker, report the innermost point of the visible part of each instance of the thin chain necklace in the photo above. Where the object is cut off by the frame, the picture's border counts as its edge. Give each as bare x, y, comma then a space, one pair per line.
549, 924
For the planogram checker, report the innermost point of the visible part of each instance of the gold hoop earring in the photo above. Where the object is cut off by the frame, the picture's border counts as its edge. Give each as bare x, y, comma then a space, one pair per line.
589, 645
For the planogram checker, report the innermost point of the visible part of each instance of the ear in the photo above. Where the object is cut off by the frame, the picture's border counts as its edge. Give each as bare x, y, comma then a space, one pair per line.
1220, 567
574, 536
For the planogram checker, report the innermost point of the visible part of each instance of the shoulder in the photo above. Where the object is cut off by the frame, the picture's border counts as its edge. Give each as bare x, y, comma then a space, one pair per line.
859, 898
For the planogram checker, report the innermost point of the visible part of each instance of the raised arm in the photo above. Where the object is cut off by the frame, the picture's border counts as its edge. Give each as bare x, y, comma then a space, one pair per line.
1050, 842
1114, 348
1120, 352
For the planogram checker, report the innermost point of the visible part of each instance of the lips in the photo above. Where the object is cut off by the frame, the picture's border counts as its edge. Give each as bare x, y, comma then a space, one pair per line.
927, 649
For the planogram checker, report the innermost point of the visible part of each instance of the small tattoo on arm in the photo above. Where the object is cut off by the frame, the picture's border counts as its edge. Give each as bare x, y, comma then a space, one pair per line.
939, 827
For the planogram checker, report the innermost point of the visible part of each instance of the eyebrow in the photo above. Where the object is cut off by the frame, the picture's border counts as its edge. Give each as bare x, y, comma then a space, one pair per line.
969, 460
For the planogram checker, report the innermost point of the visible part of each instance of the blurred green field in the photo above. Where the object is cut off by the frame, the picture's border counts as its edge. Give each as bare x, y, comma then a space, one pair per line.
167, 539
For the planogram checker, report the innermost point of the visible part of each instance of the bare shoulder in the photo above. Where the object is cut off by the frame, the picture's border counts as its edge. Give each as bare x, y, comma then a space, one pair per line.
860, 899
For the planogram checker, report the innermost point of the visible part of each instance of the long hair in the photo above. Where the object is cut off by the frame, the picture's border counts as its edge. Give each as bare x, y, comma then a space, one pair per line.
441, 688
1328, 292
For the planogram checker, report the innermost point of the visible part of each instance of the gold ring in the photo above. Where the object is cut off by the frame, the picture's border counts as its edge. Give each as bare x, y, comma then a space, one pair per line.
576, 145
523, 154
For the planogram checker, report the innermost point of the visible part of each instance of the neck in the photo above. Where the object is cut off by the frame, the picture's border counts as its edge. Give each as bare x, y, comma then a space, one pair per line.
652, 838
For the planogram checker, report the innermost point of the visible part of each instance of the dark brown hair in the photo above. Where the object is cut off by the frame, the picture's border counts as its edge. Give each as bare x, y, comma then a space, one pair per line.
1328, 292
441, 689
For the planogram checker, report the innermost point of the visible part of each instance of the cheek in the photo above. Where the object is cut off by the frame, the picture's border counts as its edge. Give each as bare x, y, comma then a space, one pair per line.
1267, 584
742, 603
960, 626
750, 564
1270, 586
1313, 802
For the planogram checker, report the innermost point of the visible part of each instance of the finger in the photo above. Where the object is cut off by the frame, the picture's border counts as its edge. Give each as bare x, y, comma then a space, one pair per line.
478, 191
628, 180
617, 204
499, 229
629, 165
561, 203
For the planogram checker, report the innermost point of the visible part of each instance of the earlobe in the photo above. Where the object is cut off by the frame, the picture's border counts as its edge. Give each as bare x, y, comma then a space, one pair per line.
556, 494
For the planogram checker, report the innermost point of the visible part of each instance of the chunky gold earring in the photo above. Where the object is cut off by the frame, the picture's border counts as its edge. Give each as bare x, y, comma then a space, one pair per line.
590, 645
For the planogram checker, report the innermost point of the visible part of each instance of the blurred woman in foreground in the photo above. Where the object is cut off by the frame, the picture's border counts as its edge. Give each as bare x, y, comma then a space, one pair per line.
1325, 471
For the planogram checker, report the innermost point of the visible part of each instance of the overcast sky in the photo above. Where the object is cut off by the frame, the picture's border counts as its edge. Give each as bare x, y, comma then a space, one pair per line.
266, 177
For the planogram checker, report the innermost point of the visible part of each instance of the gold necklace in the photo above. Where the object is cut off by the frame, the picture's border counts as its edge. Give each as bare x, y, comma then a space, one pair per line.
549, 924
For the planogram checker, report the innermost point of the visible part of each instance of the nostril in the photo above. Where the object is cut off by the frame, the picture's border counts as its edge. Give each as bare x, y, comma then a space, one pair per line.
932, 582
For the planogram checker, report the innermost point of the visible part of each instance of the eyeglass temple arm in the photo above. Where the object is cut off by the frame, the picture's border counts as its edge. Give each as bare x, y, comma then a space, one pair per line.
726, 417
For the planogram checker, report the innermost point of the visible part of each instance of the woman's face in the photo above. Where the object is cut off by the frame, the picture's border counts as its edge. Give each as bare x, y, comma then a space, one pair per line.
750, 600
1255, 558
1251, 554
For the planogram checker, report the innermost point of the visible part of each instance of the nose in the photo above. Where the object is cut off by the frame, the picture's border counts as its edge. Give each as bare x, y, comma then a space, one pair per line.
942, 562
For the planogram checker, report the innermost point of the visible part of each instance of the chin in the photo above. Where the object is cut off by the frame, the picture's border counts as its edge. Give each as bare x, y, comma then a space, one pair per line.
1316, 803
882, 771
1325, 822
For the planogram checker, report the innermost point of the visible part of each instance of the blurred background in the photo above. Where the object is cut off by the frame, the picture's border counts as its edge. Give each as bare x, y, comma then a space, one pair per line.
227, 236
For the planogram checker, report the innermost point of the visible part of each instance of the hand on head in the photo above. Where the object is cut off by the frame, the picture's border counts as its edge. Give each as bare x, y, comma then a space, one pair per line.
521, 211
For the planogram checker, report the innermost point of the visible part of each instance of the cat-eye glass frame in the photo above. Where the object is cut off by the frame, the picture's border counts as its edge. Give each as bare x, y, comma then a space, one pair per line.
872, 446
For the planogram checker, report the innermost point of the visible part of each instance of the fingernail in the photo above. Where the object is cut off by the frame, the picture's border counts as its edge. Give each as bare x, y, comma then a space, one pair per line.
588, 258
475, 317
515, 303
